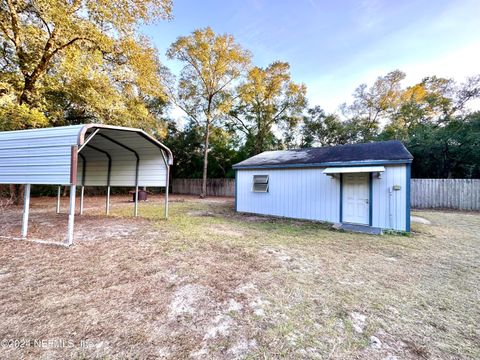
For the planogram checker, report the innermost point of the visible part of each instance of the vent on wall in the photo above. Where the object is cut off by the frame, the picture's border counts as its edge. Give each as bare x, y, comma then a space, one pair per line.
260, 183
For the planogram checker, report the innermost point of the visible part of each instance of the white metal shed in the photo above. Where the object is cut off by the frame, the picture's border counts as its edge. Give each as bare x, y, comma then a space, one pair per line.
84, 155
360, 186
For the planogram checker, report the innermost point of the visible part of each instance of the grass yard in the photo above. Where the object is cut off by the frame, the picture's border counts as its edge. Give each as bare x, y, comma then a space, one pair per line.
210, 283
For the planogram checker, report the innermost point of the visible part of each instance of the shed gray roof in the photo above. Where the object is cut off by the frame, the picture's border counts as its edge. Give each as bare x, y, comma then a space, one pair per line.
392, 151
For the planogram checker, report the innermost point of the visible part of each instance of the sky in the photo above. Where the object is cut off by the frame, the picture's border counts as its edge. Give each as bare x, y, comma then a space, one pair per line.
335, 45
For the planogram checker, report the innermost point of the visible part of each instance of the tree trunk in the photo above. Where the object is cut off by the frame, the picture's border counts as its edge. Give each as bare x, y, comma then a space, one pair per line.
13, 193
205, 161
259, 141
30, 80
16, 193
26, 95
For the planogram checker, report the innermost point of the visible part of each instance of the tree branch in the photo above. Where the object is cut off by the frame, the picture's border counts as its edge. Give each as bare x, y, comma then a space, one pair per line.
245, 129
228, 82
190, 60
14, 22
5, 32
69, 43
37, 12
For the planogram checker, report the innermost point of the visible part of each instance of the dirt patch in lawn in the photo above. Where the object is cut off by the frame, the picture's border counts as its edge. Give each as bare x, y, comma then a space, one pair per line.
48, 226
228, 231
128, 288
200, 213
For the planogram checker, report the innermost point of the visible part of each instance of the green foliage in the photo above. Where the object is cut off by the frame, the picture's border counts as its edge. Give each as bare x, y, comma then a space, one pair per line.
321, 129
268, 98
81, 61
212, 63
373, 105
223, 153
387, 105
430, 117
447, 151
188, 145
14, 116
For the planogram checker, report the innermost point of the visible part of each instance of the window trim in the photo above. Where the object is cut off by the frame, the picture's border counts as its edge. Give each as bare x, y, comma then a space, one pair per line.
256, 182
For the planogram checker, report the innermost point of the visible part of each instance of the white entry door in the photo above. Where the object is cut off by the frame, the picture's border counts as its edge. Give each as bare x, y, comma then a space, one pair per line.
355, 206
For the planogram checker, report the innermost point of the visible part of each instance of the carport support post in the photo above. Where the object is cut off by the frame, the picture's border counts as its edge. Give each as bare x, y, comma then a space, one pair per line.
26, 210
71, 216
166, 191
84, 172
59, 193
107, 205
136, 201
82, 191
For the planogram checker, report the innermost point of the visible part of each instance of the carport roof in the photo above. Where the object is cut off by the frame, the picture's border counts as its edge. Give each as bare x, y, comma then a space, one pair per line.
381, 152
48, 155
80, 131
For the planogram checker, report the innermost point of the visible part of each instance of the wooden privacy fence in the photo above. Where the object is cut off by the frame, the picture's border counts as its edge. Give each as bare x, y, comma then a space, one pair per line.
462, 194
215, 187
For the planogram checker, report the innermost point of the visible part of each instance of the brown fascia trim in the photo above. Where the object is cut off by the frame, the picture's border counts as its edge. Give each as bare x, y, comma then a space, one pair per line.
73, 165
85, 128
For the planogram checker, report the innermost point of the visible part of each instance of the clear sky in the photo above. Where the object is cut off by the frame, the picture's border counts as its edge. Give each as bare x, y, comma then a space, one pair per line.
333, 45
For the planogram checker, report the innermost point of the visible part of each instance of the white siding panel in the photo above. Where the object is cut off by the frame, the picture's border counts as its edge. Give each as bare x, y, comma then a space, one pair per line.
46, 132
384, 204
296, 193
35, 169
39, 156
34, 152
96, 170
38, 142
40, 179
152, 170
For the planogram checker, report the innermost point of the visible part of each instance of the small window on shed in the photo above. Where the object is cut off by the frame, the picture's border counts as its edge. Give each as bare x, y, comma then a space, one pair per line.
260, 183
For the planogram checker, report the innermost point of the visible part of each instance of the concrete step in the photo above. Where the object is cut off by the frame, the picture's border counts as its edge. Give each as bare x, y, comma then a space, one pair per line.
364, 229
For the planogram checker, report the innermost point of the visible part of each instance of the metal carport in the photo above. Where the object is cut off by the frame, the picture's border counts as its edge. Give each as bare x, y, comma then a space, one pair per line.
87, 155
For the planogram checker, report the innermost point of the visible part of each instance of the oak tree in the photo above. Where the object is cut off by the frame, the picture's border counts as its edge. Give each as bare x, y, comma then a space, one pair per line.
211, 65
78, 51
266, 99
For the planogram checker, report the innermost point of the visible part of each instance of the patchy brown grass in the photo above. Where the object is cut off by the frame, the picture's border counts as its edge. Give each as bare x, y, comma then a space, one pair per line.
210, 283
